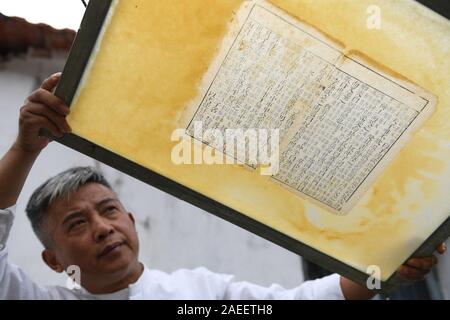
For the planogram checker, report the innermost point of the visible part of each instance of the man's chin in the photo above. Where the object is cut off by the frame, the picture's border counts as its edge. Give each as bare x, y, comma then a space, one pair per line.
122, 264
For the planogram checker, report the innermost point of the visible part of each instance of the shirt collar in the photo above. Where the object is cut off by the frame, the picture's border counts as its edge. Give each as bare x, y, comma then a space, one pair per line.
133, 291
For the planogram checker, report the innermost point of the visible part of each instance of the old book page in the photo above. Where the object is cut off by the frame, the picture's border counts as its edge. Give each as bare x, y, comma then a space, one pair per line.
341, 119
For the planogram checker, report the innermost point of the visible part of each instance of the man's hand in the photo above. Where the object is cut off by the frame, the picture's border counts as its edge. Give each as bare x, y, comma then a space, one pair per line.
414, 270
417, 268
42, 110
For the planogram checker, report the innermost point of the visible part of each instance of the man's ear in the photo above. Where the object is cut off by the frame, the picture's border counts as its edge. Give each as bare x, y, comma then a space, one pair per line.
130, 215
50, 259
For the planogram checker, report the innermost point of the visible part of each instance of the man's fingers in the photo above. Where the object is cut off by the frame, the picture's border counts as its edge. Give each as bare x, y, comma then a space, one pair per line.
411, 274
50, 83
58, 120
44, 97
441, 248
422, 263
417, 268
41, 122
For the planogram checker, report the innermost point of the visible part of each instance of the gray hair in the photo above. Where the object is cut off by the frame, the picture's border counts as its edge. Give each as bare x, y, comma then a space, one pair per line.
59, 186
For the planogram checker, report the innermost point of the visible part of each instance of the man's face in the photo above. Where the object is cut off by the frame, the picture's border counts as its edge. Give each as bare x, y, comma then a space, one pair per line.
92, 230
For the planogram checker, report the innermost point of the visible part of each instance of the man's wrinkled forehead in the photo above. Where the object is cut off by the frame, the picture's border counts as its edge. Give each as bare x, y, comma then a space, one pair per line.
90, 195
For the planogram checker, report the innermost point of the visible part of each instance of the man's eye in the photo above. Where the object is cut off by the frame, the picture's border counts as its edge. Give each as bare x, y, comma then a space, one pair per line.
111, 209
77, 224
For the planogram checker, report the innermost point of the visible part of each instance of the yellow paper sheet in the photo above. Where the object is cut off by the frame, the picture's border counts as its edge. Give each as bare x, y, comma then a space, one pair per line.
150, 63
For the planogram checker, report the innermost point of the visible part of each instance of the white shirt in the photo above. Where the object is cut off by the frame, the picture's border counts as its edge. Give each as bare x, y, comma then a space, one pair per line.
182, 284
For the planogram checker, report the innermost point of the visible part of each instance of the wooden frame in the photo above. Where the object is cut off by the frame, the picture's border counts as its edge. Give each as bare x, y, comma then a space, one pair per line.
91, 26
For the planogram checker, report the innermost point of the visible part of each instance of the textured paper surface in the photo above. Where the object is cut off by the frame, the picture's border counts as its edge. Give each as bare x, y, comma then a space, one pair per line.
154, 56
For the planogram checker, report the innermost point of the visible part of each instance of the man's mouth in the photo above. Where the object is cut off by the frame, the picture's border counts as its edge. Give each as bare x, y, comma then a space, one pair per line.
110, 248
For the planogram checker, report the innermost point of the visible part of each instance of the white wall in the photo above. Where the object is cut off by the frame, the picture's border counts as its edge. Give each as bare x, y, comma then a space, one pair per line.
173, 233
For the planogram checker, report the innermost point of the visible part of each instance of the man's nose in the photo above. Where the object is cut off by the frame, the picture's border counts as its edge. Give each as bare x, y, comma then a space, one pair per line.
102, 229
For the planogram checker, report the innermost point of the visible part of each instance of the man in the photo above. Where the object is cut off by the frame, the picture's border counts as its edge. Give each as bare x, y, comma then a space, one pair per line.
81, 222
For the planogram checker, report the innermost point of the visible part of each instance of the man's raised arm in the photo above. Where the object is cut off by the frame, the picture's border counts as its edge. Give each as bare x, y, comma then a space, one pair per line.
42, 110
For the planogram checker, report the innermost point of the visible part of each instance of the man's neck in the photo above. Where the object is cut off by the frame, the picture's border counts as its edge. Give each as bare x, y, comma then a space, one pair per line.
114, 283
